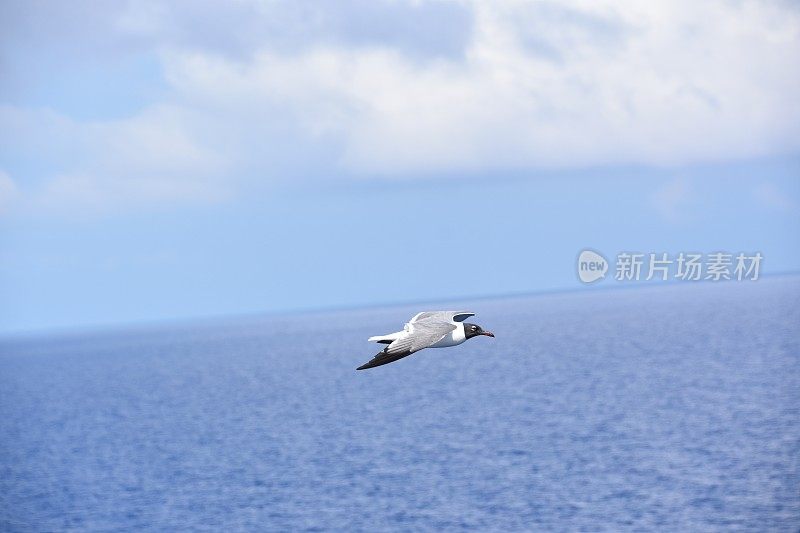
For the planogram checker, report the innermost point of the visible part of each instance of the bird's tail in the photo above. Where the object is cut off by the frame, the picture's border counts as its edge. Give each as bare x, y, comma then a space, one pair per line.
386, 339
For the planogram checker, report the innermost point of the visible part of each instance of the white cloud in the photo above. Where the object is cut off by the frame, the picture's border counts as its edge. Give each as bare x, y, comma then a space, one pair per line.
153, 158
603, 83
538, 84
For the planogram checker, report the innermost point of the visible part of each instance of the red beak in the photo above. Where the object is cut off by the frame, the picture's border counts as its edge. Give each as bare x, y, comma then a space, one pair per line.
488, 334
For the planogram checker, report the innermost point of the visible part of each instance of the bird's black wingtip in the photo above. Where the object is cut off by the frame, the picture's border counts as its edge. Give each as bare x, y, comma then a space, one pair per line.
383, 358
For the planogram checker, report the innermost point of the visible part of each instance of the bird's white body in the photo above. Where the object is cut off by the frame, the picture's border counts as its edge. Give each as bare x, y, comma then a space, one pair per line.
454, 338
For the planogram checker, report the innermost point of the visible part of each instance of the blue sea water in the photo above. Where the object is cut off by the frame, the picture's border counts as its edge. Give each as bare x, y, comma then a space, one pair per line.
671, 408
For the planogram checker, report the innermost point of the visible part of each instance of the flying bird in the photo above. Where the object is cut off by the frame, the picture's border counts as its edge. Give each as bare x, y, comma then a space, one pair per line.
429, 329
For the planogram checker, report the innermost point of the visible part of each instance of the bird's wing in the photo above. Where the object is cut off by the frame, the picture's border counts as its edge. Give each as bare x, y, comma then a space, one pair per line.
429, 331
399, 348
422, 316
449, 316
422, 334
460, 316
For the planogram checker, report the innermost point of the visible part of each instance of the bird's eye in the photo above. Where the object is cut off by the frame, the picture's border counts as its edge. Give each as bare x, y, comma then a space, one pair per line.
474, 328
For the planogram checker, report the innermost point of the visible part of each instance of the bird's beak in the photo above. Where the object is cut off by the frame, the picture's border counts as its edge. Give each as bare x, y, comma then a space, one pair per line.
488, 334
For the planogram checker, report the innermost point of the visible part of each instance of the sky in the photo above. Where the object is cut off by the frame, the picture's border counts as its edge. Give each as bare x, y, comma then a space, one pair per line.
164, 161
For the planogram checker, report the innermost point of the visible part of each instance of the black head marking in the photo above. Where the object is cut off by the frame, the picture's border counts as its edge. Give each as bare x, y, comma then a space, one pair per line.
473, 330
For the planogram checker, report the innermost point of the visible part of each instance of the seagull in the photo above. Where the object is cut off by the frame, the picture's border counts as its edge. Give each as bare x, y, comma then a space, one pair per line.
429, 329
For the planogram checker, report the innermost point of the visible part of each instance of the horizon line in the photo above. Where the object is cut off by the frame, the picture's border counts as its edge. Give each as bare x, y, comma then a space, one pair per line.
119, 326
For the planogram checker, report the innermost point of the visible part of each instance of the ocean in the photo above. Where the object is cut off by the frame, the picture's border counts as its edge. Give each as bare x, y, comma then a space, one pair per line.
668, 408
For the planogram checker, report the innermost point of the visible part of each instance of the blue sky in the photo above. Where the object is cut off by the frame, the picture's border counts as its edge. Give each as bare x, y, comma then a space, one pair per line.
162, 161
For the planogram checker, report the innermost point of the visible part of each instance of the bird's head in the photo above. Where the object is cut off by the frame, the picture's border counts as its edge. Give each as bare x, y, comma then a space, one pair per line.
473, 330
